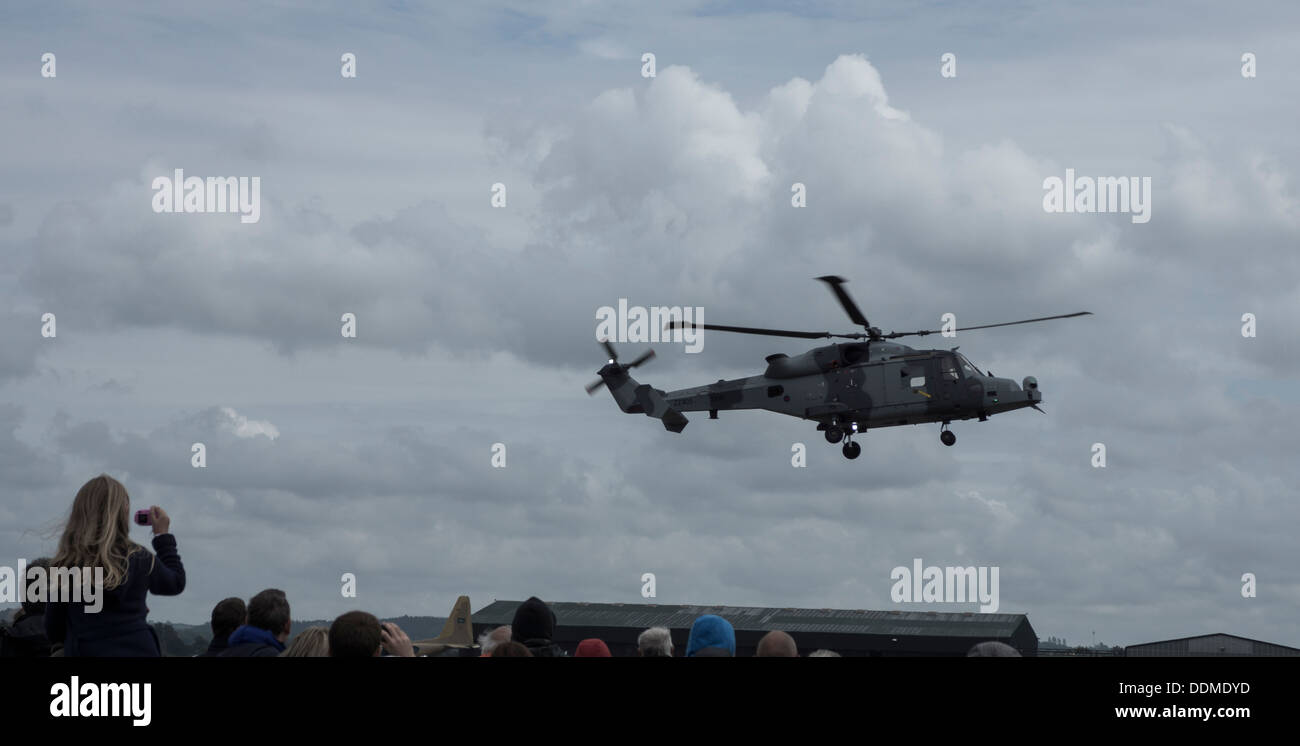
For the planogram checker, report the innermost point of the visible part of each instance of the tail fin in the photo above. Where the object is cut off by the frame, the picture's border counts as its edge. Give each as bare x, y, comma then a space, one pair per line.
457, 632
633, 397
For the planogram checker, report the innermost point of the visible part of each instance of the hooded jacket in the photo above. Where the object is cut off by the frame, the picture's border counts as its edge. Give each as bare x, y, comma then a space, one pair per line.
251, 642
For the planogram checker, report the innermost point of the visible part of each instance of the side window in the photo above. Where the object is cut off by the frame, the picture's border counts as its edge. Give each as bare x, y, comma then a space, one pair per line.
949, 368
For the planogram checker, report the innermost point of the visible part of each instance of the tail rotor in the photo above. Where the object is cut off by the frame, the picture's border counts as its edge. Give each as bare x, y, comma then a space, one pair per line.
613, 366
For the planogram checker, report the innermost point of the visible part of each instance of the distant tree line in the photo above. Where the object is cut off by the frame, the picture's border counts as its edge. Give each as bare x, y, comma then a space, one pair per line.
173, 645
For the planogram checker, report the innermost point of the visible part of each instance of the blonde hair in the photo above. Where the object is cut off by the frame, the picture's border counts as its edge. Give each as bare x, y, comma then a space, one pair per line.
313, 642
96, 533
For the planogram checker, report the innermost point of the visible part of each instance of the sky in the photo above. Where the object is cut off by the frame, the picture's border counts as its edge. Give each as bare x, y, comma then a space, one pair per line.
475, 323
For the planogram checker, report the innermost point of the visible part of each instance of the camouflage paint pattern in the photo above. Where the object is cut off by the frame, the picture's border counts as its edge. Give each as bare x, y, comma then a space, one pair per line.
871, 383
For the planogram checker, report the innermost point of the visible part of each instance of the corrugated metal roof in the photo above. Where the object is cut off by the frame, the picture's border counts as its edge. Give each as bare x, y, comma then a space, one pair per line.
842, 621
1216, 644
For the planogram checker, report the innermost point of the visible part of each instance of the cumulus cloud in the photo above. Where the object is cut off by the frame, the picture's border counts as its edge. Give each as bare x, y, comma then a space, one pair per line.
243, 427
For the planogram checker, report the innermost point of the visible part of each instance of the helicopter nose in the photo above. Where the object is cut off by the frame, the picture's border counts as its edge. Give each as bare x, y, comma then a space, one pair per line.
1004, 394
1032, 394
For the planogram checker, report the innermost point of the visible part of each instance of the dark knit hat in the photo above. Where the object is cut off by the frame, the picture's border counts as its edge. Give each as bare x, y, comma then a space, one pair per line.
533, 620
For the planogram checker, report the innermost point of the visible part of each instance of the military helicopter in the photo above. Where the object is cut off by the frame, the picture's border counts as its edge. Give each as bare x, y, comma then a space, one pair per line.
846, 387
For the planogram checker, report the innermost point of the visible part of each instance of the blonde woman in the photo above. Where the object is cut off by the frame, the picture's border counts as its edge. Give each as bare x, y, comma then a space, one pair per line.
313, 642
96, 536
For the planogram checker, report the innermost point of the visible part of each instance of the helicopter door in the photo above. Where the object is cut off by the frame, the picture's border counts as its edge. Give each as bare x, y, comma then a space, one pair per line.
898, 384
947, 381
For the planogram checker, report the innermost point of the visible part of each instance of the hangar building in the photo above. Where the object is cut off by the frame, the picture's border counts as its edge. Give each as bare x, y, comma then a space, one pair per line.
1216, 645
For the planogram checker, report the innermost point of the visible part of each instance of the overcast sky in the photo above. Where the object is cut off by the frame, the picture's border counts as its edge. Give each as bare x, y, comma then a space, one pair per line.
475, 324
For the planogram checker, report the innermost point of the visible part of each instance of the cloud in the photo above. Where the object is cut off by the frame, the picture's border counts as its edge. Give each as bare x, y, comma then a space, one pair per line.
673, 194
243, 427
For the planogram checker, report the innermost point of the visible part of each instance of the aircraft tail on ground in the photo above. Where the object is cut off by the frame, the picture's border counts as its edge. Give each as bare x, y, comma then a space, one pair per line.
457, 632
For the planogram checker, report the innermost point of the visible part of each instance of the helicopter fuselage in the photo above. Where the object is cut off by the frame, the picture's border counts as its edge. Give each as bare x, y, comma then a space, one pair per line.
859, 386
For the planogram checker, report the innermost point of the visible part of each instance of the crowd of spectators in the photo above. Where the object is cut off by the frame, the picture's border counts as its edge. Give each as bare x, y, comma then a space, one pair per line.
96, 536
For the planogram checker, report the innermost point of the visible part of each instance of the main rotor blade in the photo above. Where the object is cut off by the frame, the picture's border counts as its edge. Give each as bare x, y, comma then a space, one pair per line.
609, 348
754, 330
850, 307
924, 332
591, 387
644, 357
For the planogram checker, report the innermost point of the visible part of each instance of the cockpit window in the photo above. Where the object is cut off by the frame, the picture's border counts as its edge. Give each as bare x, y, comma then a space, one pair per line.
967, 369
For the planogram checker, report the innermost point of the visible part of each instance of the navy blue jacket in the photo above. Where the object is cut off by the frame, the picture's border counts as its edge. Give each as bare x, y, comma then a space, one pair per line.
119, 628
251, 642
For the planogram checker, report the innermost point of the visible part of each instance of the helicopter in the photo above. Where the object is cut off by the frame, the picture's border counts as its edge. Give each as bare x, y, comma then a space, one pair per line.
846, 387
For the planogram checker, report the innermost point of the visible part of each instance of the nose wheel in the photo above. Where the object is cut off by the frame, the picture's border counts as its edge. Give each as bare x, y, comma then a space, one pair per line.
834, 434
852, 450
946, 436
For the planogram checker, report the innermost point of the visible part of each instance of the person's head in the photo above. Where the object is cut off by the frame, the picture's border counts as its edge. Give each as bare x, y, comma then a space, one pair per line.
823, 653
33, 608
227, 616
656, 642
511, 649
533, 620
489, 640
592, 648
992, 649
356, 634
312, 642
97, 532
269, 610
711, 631
776, 644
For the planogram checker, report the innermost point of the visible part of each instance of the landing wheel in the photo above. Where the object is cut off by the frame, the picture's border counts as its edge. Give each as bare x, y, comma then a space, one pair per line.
948, 437
852, 450
834, 434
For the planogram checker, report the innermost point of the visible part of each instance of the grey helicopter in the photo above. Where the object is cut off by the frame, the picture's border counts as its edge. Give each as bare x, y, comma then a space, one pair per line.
846, 387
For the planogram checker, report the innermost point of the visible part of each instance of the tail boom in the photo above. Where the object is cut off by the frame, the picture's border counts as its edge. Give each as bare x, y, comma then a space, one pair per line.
633, 397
